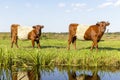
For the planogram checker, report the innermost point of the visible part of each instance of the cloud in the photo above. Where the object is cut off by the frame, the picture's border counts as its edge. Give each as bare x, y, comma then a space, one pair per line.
72, 7
113, 3
117, 3
61, 5
78, 5
105, 5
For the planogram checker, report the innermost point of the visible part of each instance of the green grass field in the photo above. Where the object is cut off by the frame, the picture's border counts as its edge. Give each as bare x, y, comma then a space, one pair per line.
54, 52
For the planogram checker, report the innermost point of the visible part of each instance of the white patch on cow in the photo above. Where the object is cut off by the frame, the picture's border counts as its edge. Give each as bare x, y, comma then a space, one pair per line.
23, 32
81, 29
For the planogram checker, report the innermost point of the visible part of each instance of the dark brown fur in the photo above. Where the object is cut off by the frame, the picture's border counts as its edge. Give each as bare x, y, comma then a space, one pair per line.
94, 33
34, 35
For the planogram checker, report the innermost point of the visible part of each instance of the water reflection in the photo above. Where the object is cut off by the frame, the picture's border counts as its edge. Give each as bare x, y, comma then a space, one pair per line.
30, 74
72, 75
59, 73
94, 76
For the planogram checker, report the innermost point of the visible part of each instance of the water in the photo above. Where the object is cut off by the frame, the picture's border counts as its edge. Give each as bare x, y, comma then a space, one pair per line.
61, 73
79, 74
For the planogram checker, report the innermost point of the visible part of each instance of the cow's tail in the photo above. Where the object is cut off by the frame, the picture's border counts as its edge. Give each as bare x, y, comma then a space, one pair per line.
11, 30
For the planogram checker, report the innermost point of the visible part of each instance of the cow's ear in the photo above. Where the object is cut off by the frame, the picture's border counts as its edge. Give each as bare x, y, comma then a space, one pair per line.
34, 27
107, 23
98, 23
42, 26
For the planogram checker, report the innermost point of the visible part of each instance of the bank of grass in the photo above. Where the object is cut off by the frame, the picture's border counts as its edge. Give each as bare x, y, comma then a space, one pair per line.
54, 52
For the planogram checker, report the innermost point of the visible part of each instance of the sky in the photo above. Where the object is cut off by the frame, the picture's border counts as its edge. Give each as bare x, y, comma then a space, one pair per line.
56, 15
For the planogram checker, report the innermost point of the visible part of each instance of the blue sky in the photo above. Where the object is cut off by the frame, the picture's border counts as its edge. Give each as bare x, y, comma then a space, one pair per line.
56, 15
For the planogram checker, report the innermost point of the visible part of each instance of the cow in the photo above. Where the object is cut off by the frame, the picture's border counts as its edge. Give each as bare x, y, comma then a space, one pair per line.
86, 32
25, 33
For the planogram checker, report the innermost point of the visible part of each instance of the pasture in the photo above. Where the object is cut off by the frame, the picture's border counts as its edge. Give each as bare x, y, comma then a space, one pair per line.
54, 52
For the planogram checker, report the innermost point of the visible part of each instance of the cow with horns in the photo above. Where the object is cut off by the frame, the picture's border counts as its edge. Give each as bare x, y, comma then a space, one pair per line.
85, 32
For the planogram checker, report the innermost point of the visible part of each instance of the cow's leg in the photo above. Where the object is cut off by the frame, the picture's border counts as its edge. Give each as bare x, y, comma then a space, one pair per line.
33, 43
12, 42
69, 42
16, 43
74, 41
95, 44
12, 39
38, 43
92, 46
74, 44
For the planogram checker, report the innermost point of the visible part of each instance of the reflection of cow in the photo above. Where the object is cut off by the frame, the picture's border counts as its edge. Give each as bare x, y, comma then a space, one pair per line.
26, 75
94, 76
85, 32
72, 76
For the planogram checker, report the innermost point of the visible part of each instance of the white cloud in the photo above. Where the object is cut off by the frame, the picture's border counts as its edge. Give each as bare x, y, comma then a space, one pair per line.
72, 7
117, 3
77, 7
80, 5
113, 3
105, 5
61, 5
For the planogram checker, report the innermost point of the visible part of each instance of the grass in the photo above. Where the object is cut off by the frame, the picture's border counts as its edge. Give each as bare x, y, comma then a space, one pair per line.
54, 52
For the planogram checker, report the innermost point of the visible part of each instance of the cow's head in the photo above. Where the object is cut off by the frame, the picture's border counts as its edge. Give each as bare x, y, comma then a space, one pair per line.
38, 28
103, 25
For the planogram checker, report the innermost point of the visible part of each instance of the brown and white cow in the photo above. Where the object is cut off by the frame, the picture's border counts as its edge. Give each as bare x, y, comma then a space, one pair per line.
25, 33
87, 32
